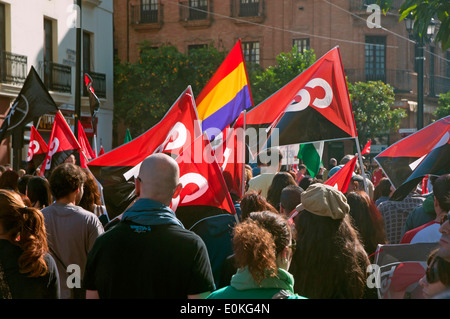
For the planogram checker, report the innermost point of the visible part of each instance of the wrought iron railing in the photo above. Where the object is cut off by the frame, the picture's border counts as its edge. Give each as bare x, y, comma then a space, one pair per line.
146, 13
57, 77
98, 82
13, 68
247, 8
195, 10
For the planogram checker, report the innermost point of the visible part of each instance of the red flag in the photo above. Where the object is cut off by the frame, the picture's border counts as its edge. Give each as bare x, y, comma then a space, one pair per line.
231, 157
202, 179
314, 106
61, 145
37, 149
366, 149
341, 179
86, 152
102, 151
115, 169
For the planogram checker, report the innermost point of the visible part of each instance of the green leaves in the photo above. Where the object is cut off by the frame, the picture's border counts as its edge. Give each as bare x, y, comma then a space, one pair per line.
443, 109
145, 90
372, 109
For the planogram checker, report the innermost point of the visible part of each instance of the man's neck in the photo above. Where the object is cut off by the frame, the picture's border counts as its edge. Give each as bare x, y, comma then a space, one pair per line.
66, 200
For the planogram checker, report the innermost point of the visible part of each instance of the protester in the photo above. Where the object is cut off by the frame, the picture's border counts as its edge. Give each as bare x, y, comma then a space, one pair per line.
359, 183
39, 192
306, 181
9, 180
383, 191
254, 202
300, 173
289, 199
377, 174
27, 271
263, 250
329, 262
71, 229
248, 175
280, 181
367, 220
332, 163
444, 248
429, 232
423, 213
91, 199
149, 254
395, 214
343, 161
437, 276
269, 161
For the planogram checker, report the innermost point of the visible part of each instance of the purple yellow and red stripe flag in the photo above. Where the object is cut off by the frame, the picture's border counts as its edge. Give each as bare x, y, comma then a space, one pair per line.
226, 94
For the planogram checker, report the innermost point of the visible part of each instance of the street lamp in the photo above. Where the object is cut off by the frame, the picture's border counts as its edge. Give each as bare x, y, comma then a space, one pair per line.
420, 41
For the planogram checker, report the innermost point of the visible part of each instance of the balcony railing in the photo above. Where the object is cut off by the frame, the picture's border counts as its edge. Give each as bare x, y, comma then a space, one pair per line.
247, 8
57, 77
98, 82
146, 13
361, 5
13, 68
195, 10
402, 80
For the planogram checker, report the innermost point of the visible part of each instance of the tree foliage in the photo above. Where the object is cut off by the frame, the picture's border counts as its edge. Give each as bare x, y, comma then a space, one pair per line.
372, 103
422, 12
443, 109
288, 65
145, 90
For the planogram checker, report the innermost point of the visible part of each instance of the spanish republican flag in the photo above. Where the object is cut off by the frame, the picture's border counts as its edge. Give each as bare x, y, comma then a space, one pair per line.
226, 94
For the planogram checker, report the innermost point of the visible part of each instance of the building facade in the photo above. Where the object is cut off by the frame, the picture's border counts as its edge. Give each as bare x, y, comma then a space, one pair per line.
269, 27
42, 34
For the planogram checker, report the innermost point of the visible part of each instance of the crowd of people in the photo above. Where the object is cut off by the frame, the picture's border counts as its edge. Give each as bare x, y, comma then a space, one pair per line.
294, 236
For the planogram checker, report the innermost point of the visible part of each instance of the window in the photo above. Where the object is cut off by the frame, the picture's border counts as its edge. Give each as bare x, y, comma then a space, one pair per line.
198, 9
251, 52
48, 40
248, 8
375, 58
196, 46
149, 11
302, 44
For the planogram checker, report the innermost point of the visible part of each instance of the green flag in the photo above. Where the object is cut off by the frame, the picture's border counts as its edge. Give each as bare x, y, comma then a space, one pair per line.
311, 155
127, 137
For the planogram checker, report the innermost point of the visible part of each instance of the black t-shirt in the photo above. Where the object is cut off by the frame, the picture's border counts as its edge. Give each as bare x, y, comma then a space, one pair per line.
159, 262
20, 285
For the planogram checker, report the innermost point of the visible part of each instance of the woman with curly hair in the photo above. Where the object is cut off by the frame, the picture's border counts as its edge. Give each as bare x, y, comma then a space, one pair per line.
263, 251
91, 200
27, 270
329, 262
254, 202
279, 181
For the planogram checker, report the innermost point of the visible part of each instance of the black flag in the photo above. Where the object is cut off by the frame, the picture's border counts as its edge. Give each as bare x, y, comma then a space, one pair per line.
32, 102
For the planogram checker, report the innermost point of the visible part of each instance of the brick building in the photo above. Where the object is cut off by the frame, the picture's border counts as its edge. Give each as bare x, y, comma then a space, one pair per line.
269, 27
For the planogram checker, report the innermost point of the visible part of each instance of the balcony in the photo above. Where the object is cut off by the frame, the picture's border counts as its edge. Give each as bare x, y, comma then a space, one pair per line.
248, 10
57, 77
98, 82
361, 5
147, 16
403, 81
195, 13
13, 68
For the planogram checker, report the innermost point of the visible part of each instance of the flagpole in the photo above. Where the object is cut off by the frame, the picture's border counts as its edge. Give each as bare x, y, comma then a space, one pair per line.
243, 153
358, 148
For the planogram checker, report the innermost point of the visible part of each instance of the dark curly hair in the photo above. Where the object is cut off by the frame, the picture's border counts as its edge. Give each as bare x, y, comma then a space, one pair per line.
65, 179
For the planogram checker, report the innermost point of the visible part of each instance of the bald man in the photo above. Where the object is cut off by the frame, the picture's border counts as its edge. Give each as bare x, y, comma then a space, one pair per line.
149, 254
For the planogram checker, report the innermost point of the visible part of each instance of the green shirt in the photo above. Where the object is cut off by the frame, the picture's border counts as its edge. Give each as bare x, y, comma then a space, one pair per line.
243, 286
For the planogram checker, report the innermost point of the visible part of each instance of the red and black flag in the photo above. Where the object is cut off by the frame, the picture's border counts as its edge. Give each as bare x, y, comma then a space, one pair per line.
32, 102
202, 179
436, 162
37, 149
341, 179
115, 170
94, 102
86, 152
314, 106
402, 158
61, 145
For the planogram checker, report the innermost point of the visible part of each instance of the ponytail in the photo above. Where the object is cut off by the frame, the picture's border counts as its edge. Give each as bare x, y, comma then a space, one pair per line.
33, 242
